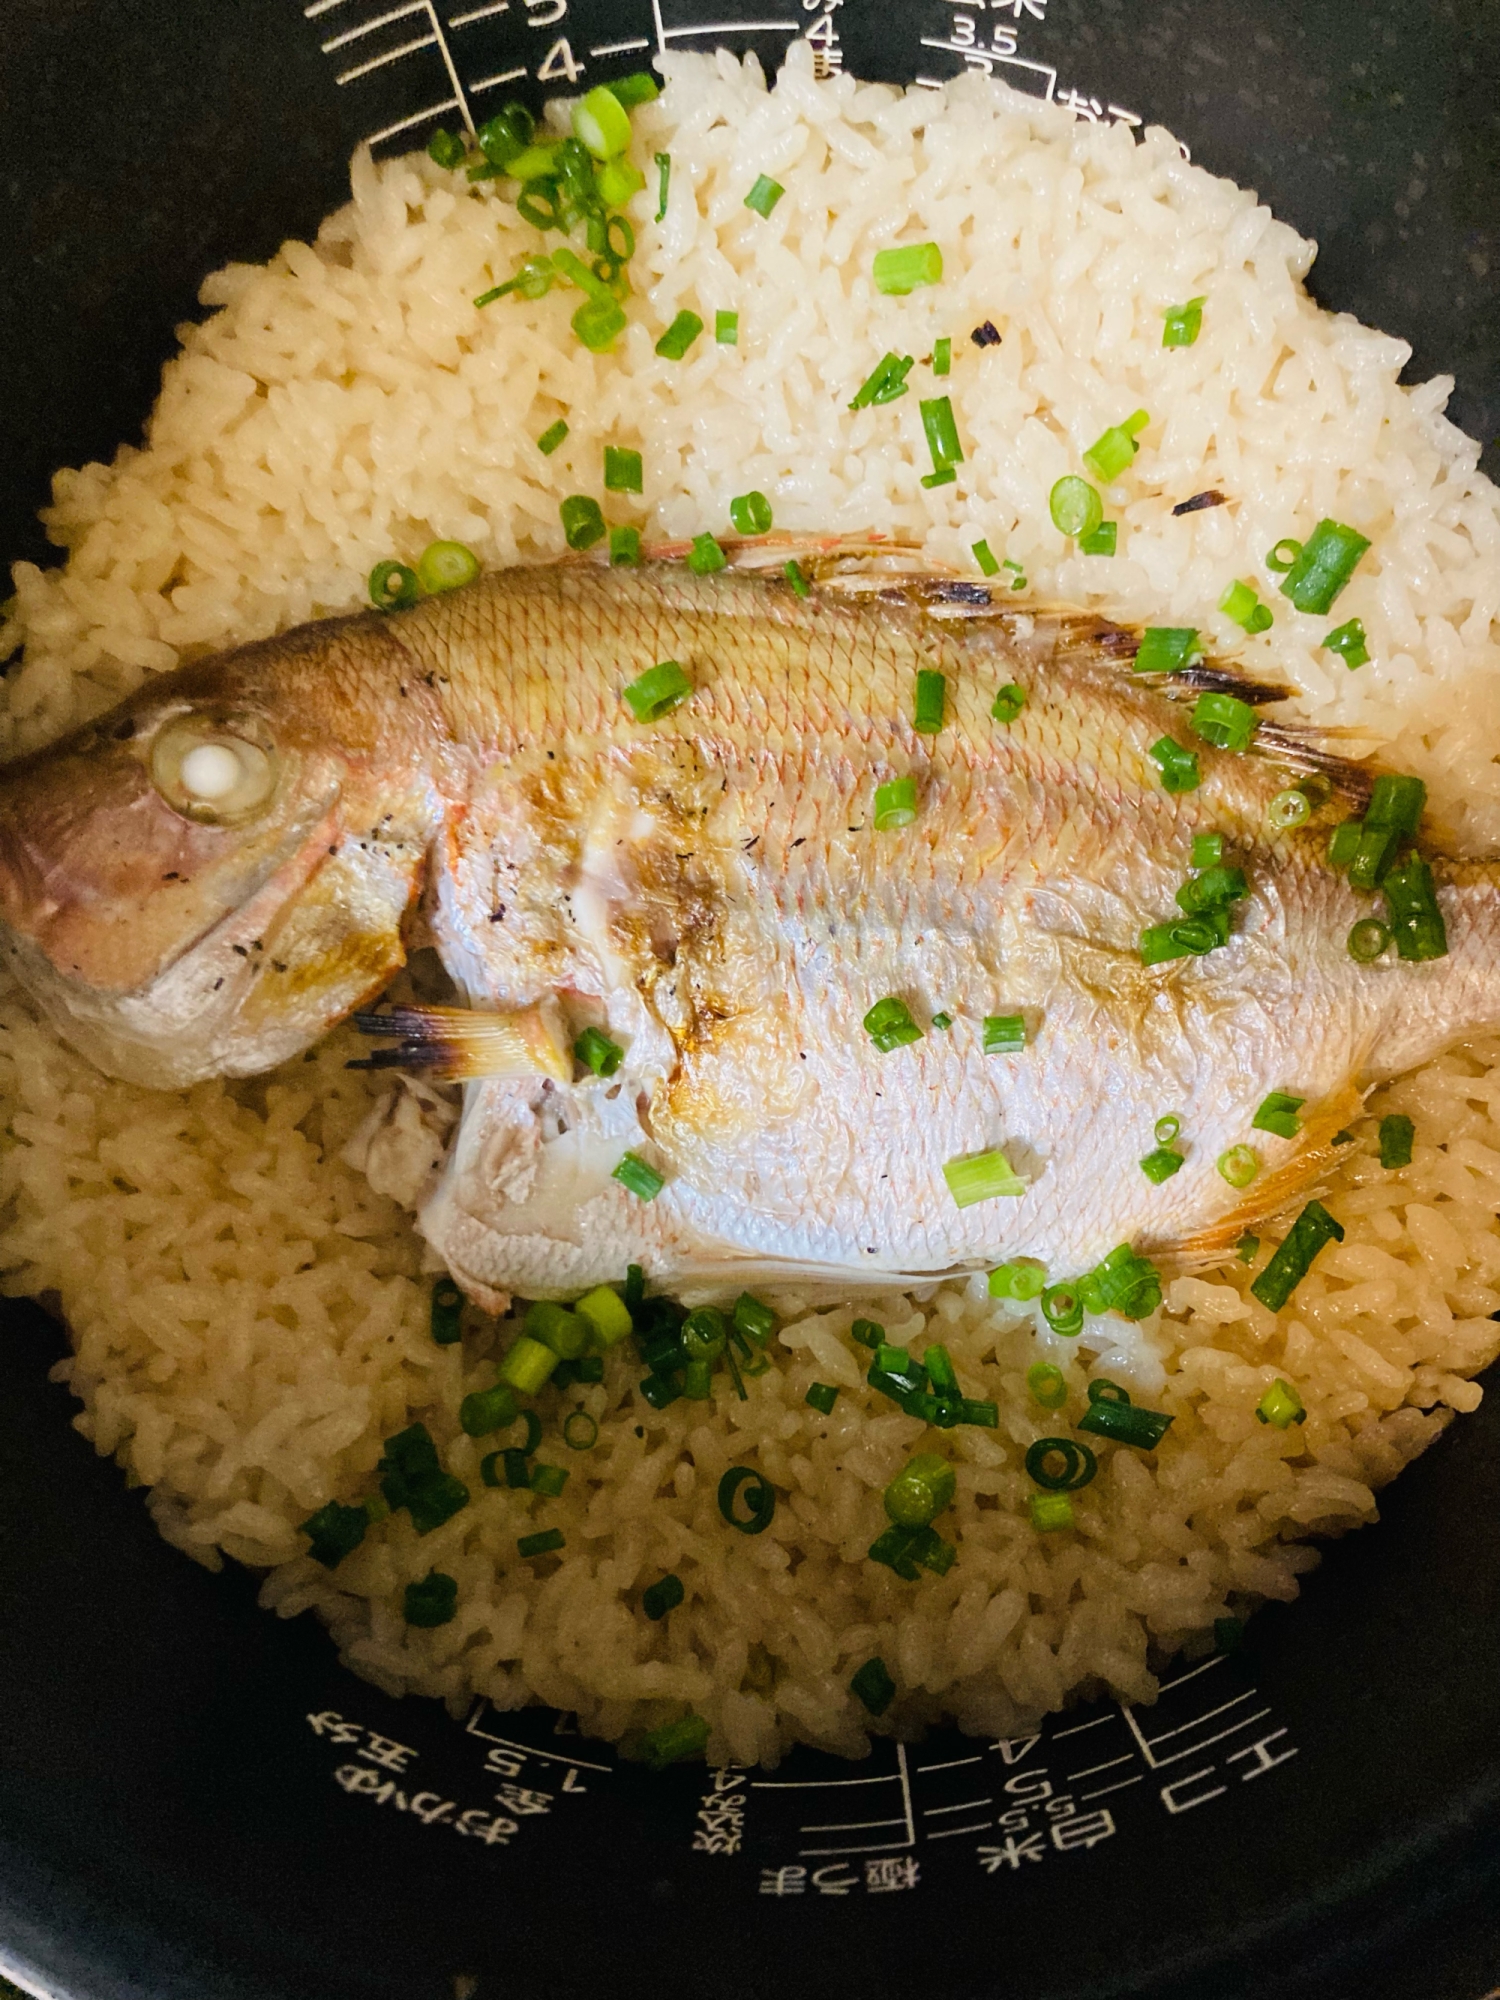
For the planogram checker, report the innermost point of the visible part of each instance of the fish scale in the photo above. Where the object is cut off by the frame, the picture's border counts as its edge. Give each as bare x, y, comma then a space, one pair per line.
711, 891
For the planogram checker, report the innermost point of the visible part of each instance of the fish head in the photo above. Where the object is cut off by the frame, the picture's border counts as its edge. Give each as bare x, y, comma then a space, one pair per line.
203, 880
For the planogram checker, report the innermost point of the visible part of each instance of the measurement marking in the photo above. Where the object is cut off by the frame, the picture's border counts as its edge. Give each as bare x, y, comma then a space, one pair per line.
442, 42
734, 28
952, 1832
1105, 1790
1223, 1707
936, 83
478, 13
320, 7
369, 27
489, 82
549, 1756
852, 1825
1094, 1769
390, 131
988, 56
1160, 1763
911, 1824
819, 1784
881, 1847
392, 55
1191, 1674
969, 1805
1078, 1727
661, 33
952, 1764
620, 48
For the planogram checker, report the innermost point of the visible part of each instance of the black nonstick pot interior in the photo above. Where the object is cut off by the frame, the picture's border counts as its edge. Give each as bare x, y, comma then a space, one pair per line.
196, 1800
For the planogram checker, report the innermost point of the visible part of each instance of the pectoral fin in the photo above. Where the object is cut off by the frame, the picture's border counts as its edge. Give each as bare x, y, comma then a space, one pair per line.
458, 1044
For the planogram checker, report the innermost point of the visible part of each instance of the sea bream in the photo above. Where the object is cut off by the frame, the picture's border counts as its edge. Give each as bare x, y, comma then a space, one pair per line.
240, 855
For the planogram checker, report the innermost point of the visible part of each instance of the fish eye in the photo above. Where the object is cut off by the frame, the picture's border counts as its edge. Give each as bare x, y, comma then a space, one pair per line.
219, 770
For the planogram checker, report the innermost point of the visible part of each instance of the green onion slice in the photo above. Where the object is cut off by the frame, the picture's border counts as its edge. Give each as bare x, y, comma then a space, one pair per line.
1348, 641
1167, 1129
596, 1051
675, 1742
432, 1602
765, 194
1281, 1406
1102, 541
1177, 764
334, 1532
751, 513
641, 1179
543, 1544
942, 432
487, 1410
727, 329
657, 691
932, 695
792, 571
1278, 1114
1369, 939
1124, 1423
1283, 556
1008, 703
921, 1490
1051, 1512
1110, 454
622, 470
1325, 563
1208, 850
890, 1026
551, 438
942, 355
446, 566
1161, 1165
1396, 1136
821, 1396
1240, 603
601, 121
447, 149
988, 563
897, 272
759, 1499
1288, 809
1225, 720
446, 1312
1075, 506
1022, 1279
982, 1177
393, 587
885, 382
1239, 1166
1048, 1385
1004, 1034
873, 1686
1063, 1309
663, 1596
705, 556
895, 804
664, 170
1166, 649
1290, 1264
1078, 1464
583, 524
1183, 323
1411, 903
680, 335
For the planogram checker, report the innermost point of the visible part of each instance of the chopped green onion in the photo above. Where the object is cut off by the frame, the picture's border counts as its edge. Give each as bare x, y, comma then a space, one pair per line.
1008, 703
490, 1462
1239, 1166
1225, 720
942, 431
980, 1411
1177, 764
445, 1313
920, 1491
897, 272
792, 571
940, 1370
1183, 323
622, 470
1281, 1406
549, 1480
618, 180
558, 1328
580, 1430
765, 194
528, 1365
664, 169
663, 1596
1208, 850
1412, 906
1063, 1309
822, 1396
601, 121
1123, 1422
756, 1321
759, 1499
1004, 1034
642, 1180
873, 1686
1166, 649
680, 335
433, 1601
675, 1742
704, 1333
393, 587
1048, 1385
1051, 1512
505, 135
1289, 1266
1349, 642
988, 564
542, 1544
890, 1026
596, 322
1161, 1165
901, 1549
1240, 603
1075, 506
942, 356
867, 1332
597, 1052
1396, 802
640, 87
1396, 1135
751, 513
1213, 887
1343, 843
1188, 937
1102, 541
659, 1390
624, 547
1289, 808
657, 691
895, 804
1326, 562
583, 524
932, 695
1280, 562
942, 1022
1019, 574
487, 1410
705, 556
981, 1177
608, 1316
727, 329
446, 566
1109, 455
944, 476
551, 438
1022, 1279
334, 1532
1247, 1247
885, 382
1078, 1466
1278, 1114
447, 149
1369, 939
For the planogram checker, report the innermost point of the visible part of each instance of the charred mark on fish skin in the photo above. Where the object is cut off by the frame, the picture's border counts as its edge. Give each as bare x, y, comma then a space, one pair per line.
461, 1044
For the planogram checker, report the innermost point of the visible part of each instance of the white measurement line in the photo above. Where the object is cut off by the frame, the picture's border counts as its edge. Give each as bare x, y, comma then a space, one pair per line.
391, 55
988, 56
389, 132
479, 13
1192, 1673
952, 1832
952, 1764
369, 27
819, 1784
735, 28
1094, 1769
936, 83
911, 1824
852, 1825
620, 48
489, 82
661, 33
1105, 1790
526, 1749
1222, 1709
442, 42
320, 7
1160, 1763
969, 1805
1078, 1727
880, 1847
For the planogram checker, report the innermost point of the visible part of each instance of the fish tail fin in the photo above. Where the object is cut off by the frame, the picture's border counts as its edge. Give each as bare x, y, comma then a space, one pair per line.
460, 1044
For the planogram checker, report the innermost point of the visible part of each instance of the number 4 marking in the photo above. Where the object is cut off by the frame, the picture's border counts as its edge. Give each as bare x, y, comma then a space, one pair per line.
559, 61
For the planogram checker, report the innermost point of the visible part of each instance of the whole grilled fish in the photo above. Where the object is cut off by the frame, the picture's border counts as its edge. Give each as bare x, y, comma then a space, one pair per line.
206, 879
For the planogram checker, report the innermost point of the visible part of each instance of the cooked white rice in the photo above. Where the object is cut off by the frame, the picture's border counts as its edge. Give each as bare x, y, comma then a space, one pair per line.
249, 1315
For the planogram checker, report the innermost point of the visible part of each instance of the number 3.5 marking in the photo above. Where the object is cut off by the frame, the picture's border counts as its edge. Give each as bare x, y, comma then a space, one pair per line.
542, 13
